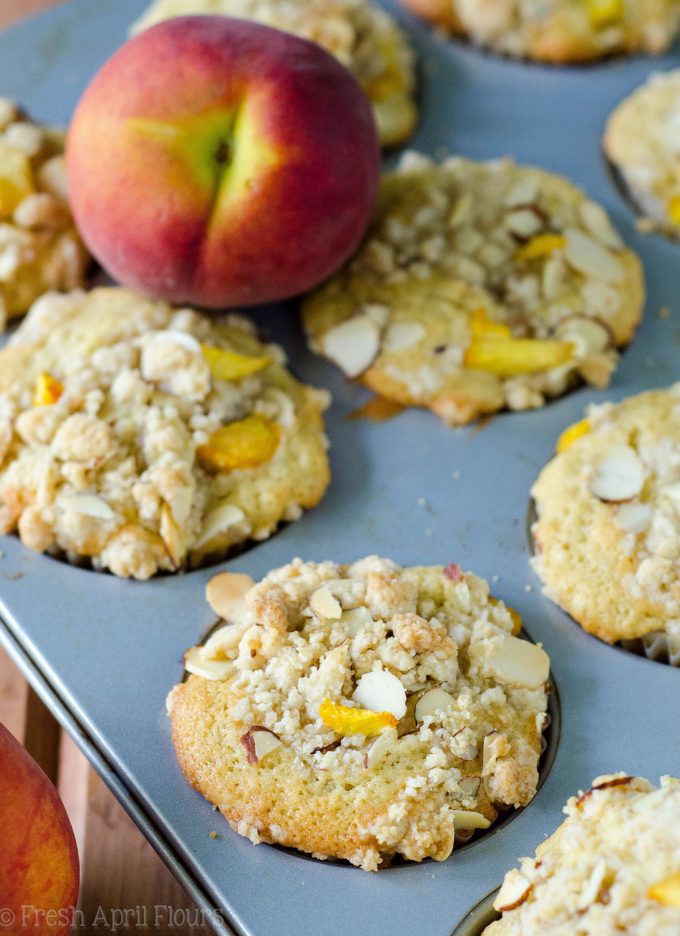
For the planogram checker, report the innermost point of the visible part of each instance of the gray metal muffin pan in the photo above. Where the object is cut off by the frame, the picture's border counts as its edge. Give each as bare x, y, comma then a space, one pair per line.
104, 652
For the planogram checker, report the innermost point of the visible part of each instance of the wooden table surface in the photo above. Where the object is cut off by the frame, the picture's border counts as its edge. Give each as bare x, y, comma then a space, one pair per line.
120, 870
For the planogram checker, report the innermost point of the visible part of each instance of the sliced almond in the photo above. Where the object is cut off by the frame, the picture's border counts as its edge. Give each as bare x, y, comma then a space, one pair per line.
516, 661
381, 691
356, 619
90, 505
432, 702
470, 785
218, 521
216, 670
378, 749
514, 891
618, 476
325, 605
259, 742
171, 536
465, 820
523, 223
634, 518
353, 345
226, 595
403, 335
588, 256
588, 335
595, 218
607, 781
222, 642
593, 886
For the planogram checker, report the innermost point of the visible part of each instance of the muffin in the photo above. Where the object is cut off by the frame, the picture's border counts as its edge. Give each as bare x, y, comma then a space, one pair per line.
479, 287
363, 37
361, 711
558, 31
40, 249
613, 866
143, 438
607, 534
642, 143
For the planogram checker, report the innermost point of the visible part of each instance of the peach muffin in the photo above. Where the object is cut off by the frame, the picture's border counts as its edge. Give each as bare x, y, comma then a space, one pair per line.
361, 711
145, 437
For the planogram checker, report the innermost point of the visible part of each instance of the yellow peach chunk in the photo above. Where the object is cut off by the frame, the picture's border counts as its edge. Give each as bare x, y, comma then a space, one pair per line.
248, 443
673, 209
667, 892
540, 246
603, 13
350, 721
228, 365
571, 434
47, 390
511, 357
484, 327
16, 179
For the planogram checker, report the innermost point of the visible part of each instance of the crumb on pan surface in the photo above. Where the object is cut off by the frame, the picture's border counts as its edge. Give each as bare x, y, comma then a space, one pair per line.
146, 437
479, 287
421, 660
613, 866
361, 35
608, 527
642, 141
559, 31
40, 249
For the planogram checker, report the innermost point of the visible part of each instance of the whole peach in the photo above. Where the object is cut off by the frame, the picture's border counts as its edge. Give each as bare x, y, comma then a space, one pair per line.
220, 162
39, 868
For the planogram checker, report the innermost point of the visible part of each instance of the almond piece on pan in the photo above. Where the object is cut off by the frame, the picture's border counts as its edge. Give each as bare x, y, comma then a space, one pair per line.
215, 670
226, 595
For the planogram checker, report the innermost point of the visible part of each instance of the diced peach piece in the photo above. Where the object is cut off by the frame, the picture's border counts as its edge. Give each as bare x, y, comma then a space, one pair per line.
540, 246
511, 357
484, 327
602, 13
350, 721
228, 365
248, 443
47, 390
673, 209
571, 434
667, 892
16, 179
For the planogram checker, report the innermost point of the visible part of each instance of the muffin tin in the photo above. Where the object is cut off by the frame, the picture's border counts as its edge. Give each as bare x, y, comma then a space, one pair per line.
105, 652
